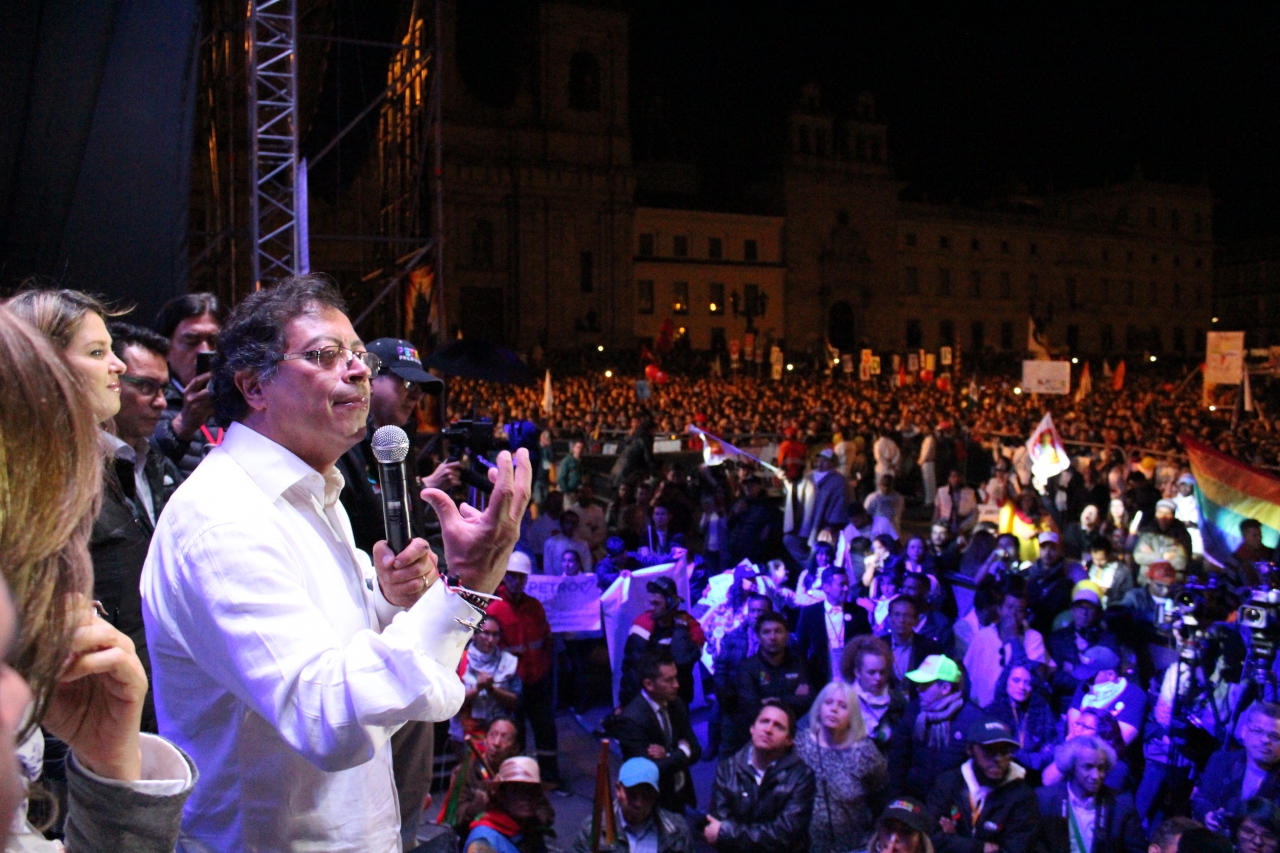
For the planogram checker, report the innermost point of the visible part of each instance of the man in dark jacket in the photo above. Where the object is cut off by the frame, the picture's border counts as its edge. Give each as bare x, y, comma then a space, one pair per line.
930, 739
1234, 775
762, 797
909, 648
773, 672
824, 629
640, 823
187, 431
1085, 631
136, 486
1050, 580
736, 646
985, 805
754, 524
655, 725
1081, 811
663, 626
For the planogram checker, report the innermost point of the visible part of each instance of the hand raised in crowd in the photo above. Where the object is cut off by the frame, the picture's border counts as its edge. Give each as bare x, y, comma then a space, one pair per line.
404, 577
477, 544
197, 408
97, 706
446, 476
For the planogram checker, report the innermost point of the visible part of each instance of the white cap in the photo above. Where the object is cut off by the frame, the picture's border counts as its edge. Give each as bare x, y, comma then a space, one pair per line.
519, 563
1047, 536
522, 768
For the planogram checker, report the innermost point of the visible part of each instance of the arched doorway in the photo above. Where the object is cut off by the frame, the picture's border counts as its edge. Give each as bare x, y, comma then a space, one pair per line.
840, 330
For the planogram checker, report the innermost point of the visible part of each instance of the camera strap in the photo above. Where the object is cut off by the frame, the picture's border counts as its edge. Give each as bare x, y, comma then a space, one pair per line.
209, 437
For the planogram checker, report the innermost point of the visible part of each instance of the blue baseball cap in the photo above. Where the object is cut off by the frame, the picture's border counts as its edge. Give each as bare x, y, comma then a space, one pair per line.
638, 771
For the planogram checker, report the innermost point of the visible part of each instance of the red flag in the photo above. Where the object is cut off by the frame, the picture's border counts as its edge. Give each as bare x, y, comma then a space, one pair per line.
1117, 378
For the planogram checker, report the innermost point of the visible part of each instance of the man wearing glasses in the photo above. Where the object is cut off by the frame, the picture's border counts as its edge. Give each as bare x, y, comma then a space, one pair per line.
283, 658
137, 484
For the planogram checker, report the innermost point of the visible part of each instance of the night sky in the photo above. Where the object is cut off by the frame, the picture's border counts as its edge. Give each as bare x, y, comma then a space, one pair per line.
980, 99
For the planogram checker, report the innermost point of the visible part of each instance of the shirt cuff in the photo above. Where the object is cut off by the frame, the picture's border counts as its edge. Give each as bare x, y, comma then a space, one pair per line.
435, 618
165, 771
385, 610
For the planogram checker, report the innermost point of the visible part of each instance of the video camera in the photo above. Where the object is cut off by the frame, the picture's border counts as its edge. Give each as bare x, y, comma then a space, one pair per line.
1261, 615
472, 441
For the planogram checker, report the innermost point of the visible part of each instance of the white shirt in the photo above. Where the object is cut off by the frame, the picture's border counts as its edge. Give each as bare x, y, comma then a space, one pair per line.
986, 657
277, 664
834, 616
1085, 813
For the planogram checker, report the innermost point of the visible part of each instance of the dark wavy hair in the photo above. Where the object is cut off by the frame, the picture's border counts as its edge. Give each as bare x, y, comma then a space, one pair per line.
254, 336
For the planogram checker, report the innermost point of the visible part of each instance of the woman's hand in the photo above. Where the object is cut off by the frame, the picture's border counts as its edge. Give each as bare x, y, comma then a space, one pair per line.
97, 706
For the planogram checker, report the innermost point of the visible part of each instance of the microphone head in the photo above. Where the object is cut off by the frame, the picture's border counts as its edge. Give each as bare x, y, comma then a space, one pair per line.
390, 445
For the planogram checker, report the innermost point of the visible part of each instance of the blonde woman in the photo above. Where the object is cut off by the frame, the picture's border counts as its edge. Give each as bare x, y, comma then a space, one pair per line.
847, 767
71, 672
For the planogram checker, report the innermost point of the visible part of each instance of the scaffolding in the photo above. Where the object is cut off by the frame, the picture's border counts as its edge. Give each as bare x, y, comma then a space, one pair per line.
249, 223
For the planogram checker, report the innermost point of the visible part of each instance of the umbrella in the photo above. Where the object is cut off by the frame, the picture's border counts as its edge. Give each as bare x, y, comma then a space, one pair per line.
476, 359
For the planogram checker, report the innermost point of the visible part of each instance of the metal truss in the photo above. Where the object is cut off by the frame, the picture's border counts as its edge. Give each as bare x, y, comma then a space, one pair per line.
271, 41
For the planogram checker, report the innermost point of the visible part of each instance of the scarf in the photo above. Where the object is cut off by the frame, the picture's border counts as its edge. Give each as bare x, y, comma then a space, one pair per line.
500, 822
873, 706
933, 725
1101, 696
482, 662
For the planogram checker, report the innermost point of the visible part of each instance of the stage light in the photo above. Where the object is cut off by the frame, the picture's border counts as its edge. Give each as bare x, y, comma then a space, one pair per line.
1017, 390
1075, 361
714, 308
791, 367
682, 330
608, 374
1215, 319
600, 348
1153, 358
1213, 408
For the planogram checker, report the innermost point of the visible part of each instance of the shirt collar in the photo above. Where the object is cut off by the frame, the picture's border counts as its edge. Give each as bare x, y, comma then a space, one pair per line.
657, 709
275, 469
118, 447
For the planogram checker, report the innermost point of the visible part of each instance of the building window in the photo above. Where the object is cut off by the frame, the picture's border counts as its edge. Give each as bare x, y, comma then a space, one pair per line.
1006, 286
482, 245
1073, 338
644, 296
1104, 291
1033, 249
586, 272
1004, 246
1122, 216
915, 335
1197, 223
1199, 263
749, 252
1130, 292
1129, 257
715, 298
910, 240
1132, 339
1179, 339
1175, 222
584, 82
1006, 335
944, 242
680, 246
753, 301
1071, 293
1177, 261
1152, 219
1108, 338
944, 282
1106, 255
715, 248
975, 284
1033, 286
946, 333
646, 245
1199, 294
679, 297
1156, 346
978, 335
974, 245
913, 281
1177, 293
1155, 259
1155, 293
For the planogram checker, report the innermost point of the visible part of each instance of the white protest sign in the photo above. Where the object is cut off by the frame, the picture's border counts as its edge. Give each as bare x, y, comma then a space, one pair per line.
1046, 377
626, 599
572, 603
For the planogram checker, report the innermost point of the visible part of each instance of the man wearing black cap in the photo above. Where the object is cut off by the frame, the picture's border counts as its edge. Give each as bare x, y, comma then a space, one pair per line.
663, 626
394, 397
986, 805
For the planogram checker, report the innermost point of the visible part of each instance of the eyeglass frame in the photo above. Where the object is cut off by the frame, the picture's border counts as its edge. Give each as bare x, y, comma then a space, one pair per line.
408, 384
315, 354
139, 381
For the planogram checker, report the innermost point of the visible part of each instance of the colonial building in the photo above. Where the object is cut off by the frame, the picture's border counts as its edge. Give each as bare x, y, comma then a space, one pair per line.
545, 244
1246, 293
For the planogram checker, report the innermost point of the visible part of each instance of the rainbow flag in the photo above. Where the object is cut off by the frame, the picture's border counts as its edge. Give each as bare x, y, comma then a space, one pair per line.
1229, 491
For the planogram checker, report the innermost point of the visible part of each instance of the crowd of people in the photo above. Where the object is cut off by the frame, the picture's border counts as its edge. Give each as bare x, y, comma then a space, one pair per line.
212, 647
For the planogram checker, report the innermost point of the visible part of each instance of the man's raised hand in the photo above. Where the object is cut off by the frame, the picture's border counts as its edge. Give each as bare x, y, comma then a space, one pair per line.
477, 544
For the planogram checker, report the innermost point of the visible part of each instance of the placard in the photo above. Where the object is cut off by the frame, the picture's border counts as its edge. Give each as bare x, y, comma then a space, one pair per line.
944, 355
572, 603
846, 364
866, 356
666, 445
1224, 358
875, 364
864, 372
913, 363
930, 362
1046, 377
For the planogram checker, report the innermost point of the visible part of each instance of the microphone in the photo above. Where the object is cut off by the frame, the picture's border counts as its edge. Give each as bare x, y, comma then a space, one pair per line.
390, 447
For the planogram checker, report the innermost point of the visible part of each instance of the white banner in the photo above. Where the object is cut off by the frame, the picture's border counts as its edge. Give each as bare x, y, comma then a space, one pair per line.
626, 599
1046, 377
572, 603
1224, 358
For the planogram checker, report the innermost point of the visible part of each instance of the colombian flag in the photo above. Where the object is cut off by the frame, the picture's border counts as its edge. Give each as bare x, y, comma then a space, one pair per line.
1230, 491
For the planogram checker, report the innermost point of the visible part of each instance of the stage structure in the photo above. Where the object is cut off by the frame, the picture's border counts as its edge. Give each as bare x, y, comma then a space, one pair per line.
265, 77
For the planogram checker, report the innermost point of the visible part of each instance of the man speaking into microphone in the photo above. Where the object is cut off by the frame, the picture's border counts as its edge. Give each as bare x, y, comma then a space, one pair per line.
283, 659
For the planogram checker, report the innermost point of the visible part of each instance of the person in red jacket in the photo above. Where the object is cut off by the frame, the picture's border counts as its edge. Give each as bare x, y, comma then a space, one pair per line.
527, 635
664, 625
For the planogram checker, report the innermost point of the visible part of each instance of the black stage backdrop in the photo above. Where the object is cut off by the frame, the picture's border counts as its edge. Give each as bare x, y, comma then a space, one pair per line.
96, 112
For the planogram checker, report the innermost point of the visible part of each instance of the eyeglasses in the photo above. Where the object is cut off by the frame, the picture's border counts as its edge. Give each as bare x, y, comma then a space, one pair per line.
148, 388
408, 384
330, 357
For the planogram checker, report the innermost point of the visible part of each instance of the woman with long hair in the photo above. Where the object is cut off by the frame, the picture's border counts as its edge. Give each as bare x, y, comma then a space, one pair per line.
848, 769
72, 673
1020, 702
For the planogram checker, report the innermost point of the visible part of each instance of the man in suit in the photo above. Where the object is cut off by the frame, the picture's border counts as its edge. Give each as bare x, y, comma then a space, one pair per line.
909, 648
655, 725
1234, 775
825, 627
